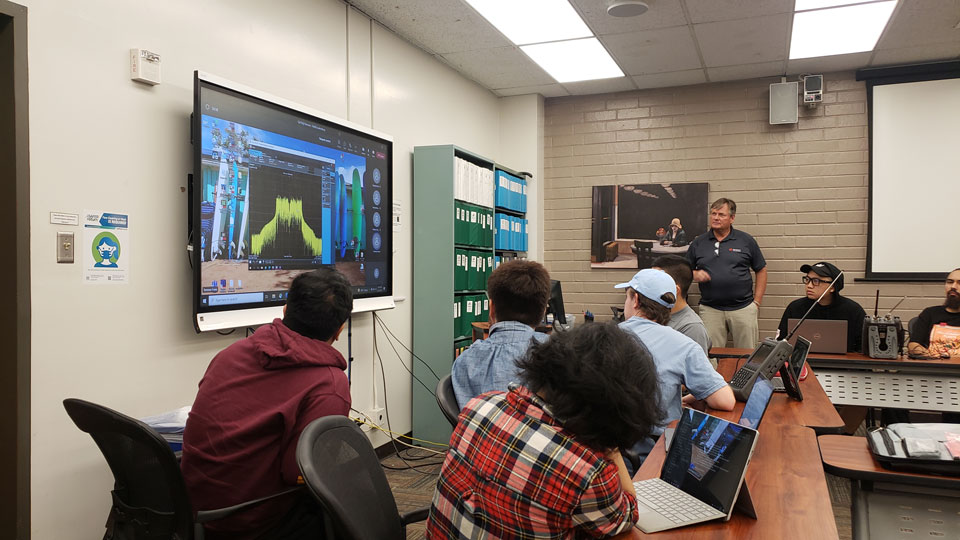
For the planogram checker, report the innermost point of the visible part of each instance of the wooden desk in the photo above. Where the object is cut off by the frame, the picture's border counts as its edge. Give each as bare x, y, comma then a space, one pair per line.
815, 411
791, 502
926, 506
950, 366
850, 457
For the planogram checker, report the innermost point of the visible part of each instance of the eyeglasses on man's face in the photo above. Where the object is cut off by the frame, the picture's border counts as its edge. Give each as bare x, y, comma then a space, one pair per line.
816, 281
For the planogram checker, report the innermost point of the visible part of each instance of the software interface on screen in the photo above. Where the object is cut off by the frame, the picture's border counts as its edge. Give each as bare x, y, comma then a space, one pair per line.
282, 194
707, 457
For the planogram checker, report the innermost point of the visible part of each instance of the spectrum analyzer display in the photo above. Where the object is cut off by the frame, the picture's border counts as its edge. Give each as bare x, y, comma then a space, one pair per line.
281, 192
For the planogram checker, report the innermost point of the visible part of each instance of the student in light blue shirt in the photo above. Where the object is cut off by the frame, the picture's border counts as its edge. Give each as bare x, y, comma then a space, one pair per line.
518, 292
680, 361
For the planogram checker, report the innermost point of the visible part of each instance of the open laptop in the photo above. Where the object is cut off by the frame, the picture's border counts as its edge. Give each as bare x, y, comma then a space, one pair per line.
701, 476
798, 360
757, 403
825, 336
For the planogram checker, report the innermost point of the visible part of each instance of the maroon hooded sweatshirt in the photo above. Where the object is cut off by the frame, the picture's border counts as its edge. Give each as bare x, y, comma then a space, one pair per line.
255, 399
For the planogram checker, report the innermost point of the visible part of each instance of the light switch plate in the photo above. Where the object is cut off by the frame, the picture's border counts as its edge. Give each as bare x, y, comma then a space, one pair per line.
65, 247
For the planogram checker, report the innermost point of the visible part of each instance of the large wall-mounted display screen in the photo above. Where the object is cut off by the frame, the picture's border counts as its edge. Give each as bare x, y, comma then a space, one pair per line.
279, 189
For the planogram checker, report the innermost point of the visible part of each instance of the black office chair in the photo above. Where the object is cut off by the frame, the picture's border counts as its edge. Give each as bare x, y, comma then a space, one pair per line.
911, 325
150, 498
447, 400
341, 470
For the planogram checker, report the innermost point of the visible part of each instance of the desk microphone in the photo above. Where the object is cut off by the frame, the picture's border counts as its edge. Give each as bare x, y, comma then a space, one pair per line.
805, 315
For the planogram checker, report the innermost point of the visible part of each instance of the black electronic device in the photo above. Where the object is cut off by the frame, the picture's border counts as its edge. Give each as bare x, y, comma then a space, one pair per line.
882, 337
766, 360
555, 304
789, 379
280, 189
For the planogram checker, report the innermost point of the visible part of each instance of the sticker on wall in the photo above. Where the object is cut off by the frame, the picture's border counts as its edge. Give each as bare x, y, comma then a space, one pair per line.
106, 248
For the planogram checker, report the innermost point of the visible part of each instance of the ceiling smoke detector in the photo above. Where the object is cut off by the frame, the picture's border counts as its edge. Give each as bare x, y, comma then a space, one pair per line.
626, 8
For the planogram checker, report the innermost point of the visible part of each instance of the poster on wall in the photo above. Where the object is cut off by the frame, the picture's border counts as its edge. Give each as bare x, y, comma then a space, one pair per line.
633, 224
106, 248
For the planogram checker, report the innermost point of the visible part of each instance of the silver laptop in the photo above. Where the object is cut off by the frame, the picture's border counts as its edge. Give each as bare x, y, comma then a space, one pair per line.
701, 475
798, 358
825, 336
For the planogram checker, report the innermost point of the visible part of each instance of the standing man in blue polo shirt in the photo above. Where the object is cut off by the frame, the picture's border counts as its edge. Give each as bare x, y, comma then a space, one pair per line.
722, 259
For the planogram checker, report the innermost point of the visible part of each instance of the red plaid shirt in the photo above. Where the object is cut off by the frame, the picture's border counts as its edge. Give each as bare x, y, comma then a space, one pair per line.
514, 472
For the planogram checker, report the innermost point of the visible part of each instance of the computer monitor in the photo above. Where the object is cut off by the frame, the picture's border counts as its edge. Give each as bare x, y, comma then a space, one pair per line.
555, 304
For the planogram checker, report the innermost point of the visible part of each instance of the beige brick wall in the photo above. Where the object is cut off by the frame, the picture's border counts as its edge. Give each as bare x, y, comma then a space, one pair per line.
800, 189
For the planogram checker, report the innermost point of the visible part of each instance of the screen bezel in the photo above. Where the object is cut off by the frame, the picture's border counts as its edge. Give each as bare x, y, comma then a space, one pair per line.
752, 362
208, 318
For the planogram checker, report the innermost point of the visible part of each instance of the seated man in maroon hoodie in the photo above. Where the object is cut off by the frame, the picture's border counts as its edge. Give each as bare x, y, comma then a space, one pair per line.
255, 399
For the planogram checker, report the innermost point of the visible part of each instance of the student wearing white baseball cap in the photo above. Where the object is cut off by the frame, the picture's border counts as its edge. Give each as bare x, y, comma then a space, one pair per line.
680, 361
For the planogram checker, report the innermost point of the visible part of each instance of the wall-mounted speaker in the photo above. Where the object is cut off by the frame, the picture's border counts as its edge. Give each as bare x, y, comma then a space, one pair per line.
783, 102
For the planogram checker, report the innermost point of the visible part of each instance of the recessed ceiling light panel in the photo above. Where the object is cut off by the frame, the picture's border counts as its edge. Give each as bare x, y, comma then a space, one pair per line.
533, 21
574, 60
842, 30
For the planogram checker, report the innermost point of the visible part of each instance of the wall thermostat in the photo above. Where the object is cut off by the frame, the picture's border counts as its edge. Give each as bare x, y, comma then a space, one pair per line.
144, 66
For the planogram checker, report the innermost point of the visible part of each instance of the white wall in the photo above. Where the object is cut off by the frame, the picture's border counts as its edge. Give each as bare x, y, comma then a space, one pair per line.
102, 142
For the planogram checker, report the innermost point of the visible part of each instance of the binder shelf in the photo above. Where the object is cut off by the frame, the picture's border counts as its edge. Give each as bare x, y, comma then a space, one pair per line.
470, 211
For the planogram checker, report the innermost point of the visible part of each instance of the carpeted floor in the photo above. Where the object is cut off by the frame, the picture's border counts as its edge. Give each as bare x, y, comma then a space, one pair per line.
413, 489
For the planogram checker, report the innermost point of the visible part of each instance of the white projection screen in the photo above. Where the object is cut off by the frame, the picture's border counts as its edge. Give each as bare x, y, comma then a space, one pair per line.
914, 175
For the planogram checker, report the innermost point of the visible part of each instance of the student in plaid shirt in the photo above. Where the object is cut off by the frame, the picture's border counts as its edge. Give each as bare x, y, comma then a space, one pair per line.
542, 459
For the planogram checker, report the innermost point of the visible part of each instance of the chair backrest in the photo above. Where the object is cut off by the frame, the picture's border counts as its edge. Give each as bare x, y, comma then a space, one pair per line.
447, 400
911, 325
149, 496
341, 470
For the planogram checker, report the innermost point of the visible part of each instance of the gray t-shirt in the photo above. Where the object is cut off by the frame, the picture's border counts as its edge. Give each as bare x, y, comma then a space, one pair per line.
687, 322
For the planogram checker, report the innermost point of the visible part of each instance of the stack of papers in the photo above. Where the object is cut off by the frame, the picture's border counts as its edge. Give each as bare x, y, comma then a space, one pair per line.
170, 426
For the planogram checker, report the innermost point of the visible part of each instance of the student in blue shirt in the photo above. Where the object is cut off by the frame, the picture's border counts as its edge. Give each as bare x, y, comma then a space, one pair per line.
518, 292
679, 360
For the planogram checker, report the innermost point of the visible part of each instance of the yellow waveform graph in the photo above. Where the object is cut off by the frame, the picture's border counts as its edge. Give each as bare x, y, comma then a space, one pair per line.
288, 215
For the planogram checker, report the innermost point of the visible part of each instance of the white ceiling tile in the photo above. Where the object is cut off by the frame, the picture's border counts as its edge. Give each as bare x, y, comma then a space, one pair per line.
439, 26
827, 64
503, 67
744, 41
662, 14
653, 51
912, 55
749, 71
675, 78
600, 86
922, 22
545, 90
702, 11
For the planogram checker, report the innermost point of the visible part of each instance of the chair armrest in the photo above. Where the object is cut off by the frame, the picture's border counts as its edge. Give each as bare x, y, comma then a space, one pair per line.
206, 516
415, 516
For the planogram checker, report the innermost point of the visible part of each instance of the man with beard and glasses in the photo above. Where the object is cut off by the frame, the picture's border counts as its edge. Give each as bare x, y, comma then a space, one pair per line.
935, 333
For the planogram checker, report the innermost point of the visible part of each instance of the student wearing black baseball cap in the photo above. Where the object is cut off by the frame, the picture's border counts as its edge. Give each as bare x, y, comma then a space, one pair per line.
817, 278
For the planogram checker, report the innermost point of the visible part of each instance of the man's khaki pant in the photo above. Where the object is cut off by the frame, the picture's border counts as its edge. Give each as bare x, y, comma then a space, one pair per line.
741, 324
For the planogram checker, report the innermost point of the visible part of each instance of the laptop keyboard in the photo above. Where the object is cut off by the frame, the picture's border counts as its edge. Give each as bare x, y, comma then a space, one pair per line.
778, 384
671, 502
741, 378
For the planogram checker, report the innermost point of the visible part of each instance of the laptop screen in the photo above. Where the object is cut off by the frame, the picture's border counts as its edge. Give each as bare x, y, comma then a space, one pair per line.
757, 404
759, 355
799, 355
708, 457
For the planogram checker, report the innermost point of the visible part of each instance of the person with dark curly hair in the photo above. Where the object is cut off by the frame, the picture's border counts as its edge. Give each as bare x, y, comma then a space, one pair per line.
518, 292
543, 459
680, 362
